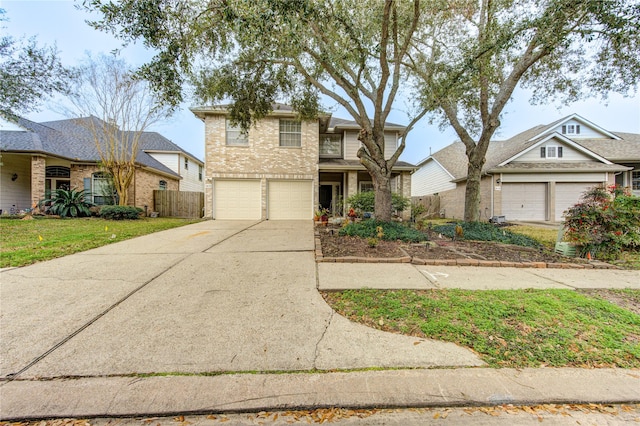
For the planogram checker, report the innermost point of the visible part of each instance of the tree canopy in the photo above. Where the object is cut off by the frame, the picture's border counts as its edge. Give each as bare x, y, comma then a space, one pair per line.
28, 74
456, 60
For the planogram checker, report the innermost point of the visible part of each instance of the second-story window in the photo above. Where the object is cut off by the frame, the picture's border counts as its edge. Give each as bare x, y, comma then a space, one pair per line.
290, 133
186, 163
235, 137
550, 152
331, 146
200, 173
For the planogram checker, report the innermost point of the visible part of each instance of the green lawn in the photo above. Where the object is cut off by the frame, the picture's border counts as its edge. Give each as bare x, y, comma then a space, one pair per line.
23, 242
521, 328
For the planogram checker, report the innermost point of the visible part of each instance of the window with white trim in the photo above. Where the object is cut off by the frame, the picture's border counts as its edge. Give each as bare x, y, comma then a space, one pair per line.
635, 180
290, 133
162, 185
186, 163
550, 152
200, 173
235, 136
571, 129
366, 186
331, 146
102, 189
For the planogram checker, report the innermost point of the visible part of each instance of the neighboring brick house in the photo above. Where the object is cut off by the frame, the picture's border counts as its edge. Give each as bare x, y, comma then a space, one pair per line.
537, 174
41, 157
285, 168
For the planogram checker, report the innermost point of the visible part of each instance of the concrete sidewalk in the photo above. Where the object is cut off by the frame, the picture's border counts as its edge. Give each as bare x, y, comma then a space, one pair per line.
173, 322
344, 276
173, 395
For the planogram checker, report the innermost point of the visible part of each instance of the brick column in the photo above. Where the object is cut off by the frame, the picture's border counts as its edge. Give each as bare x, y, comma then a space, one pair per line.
38, 175
405, 190
352, 184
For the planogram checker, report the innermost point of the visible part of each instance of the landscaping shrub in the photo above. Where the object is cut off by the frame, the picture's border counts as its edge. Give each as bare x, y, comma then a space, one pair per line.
389, 231
365, 201
605, 223
481, 231
120, 212
67, 203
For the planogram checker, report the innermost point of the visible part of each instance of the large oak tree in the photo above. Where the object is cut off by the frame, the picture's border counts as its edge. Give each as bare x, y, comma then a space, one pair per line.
563, 49
255, 53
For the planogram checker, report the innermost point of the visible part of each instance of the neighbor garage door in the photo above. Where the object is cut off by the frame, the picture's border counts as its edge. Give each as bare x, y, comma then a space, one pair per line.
290, 199
568, 194
237, 199
524, 201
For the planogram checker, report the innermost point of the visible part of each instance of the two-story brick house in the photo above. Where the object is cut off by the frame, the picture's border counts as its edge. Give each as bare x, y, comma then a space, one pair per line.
285, 168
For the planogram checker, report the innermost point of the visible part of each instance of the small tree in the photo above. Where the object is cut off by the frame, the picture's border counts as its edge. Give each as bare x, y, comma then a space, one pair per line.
119, 108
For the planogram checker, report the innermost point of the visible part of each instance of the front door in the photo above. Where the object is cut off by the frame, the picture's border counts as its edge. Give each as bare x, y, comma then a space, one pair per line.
330, 195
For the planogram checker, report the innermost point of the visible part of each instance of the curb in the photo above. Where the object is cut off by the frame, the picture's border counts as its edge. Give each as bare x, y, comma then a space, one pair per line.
241, 393
320, 258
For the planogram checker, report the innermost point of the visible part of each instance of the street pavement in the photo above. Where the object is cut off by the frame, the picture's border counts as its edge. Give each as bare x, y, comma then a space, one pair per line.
226, 316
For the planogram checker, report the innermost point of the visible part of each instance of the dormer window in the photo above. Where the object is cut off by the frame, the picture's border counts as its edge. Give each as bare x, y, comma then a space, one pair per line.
551, 152
571, 129
331, 146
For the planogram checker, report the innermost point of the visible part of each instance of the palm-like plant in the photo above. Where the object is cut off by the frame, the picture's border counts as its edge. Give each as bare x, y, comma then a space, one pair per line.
68, 203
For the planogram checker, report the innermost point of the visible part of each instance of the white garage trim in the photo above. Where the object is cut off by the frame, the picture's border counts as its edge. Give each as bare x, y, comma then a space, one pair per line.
239, 199
524, 201
290, 199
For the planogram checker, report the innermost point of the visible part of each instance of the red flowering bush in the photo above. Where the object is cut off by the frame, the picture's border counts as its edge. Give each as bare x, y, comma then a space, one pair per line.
605, 222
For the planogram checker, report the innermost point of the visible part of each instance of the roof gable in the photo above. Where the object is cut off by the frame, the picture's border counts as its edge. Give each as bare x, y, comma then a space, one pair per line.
582, 128
561, 141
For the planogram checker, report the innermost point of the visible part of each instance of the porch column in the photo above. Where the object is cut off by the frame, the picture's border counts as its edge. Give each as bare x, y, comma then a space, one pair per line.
405, 191
38, 175
352, 185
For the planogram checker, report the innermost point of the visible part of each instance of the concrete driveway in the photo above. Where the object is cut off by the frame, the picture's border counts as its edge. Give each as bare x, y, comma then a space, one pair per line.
209, 297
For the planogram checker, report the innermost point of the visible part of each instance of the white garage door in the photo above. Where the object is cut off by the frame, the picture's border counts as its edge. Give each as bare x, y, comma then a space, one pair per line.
568, 194
237, 199
290, 199
524, 201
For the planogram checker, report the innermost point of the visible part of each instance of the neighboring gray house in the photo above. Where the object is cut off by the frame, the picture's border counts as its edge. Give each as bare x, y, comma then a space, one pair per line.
40, 157
537, 174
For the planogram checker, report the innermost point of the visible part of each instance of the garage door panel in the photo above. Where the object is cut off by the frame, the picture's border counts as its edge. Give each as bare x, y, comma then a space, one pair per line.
290, 200
524, 201
568, 194
237, 199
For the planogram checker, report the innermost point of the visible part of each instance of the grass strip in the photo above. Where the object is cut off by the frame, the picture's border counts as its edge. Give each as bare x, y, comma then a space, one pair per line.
23, 242
507, 328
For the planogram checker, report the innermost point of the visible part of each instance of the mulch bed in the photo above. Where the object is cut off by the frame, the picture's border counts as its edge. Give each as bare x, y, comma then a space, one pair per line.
334, 245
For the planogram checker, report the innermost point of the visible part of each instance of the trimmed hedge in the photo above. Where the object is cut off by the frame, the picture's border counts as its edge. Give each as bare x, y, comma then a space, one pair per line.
391, 231
120, 212
481, 231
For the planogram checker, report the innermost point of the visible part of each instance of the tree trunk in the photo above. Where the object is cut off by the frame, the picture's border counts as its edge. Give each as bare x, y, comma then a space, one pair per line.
472, 194
382, 187
372, 157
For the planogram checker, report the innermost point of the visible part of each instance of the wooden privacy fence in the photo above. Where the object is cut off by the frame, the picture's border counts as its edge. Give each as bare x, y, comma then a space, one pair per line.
431, 204
178, 203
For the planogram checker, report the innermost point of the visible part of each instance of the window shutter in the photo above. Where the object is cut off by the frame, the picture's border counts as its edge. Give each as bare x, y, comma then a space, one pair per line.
577, 129
559, 152
543, 152
564, 130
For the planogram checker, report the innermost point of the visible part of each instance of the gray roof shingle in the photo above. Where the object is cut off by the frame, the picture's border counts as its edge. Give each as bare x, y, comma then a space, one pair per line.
73, 140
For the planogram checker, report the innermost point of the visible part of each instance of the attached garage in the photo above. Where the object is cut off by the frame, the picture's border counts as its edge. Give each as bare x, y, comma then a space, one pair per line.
290, 200
524, 201
237, 199
568, 194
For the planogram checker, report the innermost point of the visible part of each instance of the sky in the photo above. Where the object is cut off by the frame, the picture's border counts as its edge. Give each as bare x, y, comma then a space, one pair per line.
59, 22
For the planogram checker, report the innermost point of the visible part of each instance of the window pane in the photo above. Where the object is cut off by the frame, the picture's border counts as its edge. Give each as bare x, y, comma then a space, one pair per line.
551, 152
235, 135
290, 133
635, 181
330, 145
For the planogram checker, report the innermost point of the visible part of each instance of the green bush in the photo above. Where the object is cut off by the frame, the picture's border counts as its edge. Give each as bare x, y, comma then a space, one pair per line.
120, 212
391, 231
365, 202
605, 223
481, 231
67, 203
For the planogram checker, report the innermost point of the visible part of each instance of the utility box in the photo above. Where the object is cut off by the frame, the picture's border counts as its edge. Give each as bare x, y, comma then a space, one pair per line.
498, 220
566, 249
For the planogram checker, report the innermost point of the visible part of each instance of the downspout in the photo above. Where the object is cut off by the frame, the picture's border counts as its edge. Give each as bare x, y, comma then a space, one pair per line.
493, 188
